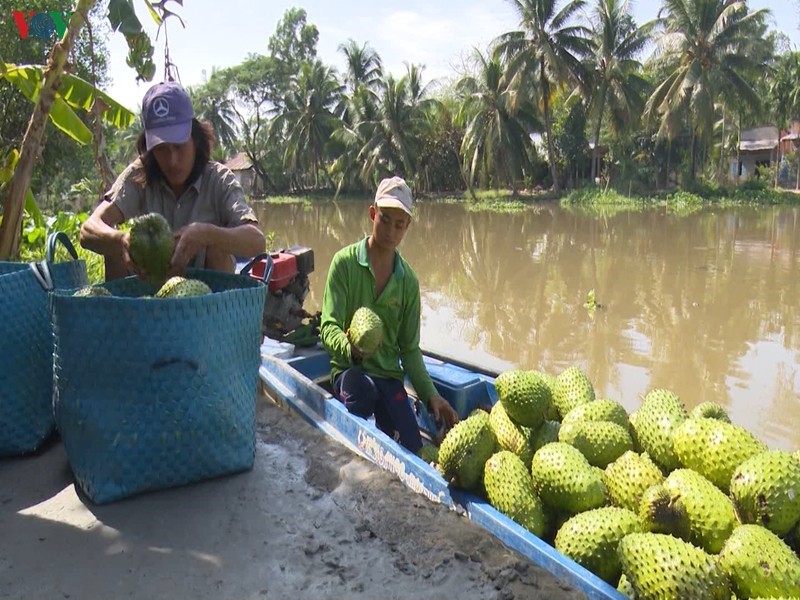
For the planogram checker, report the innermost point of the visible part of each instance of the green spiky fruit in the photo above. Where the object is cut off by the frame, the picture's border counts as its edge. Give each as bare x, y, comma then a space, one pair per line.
547, 433
661, 512
524, 395
759, 563
710, 513
564, 479
92, 290
601, 442
465, 450
664, 567
766, 490
429, 453
632, 424
710, 410
628, 477
599, 410
572, 389
151, 244
509, 488
625, 588
659, 415
180, 287
365, 331
591, 539
510, 436
551, 414
715, 448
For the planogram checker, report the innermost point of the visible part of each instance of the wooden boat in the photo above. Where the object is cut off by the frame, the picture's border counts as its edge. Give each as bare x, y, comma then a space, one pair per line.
299, 382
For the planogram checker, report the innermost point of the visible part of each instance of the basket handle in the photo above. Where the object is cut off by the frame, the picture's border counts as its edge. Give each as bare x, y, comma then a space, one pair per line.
41, 271
245, 270
55, 237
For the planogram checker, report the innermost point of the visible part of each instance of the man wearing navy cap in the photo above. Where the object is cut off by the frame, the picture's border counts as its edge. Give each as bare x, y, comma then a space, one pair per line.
201, 200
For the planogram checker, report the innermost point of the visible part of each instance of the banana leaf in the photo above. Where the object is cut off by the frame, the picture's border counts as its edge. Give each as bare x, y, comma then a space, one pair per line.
6, 173
74, 92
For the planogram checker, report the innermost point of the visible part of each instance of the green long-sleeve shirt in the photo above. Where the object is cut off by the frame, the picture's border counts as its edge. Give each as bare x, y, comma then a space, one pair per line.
351, 284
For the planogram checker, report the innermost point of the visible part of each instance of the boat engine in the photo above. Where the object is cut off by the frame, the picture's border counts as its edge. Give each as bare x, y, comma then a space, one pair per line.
285, 319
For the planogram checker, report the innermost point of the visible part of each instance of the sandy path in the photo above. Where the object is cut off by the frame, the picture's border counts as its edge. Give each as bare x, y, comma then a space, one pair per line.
311, 520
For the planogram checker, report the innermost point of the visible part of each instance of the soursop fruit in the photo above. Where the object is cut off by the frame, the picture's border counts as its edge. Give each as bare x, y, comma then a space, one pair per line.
760, 563
663, 567
625, 588
509, 488
628, 477
465, 450
547, 433
151, 244
710, 513
715, 448
766, 490
180, 287
661, 512
510, 436
564, 479
429, 453
365, 331
591, 539
524, 395
655, 422
710, 410
91, 290
601, 442
599, 410
572, 389
551, 414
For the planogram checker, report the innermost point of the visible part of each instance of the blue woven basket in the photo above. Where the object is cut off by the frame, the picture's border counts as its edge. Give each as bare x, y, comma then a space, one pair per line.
152, 393
26, 346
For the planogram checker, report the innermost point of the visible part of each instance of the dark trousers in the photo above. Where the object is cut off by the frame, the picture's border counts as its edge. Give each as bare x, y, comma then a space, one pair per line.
365, 395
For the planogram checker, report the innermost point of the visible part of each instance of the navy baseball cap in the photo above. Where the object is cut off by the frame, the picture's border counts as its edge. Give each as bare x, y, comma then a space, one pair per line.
167, 112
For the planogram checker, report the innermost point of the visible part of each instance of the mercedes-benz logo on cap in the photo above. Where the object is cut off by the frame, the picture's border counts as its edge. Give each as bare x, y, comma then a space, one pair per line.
161, 107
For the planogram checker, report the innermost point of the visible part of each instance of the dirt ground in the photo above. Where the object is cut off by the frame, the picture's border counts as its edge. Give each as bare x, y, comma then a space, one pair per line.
311, 520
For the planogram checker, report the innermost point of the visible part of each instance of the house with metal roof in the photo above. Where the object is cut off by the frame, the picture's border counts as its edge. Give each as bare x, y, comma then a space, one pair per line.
245, 173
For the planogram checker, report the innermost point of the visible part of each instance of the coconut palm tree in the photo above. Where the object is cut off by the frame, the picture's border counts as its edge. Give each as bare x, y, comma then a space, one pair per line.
215, 106
306, 119
619, 88
705, 46
497, 139
392, 137
547, 51
364, 66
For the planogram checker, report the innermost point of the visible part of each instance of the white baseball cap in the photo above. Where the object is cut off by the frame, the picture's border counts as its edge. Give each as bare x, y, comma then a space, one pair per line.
394, 193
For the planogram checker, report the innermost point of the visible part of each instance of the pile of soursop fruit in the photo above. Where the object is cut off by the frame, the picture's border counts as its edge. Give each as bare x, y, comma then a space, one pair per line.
662, 503
151, 247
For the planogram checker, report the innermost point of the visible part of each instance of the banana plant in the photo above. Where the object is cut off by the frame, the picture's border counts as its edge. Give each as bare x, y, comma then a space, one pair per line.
56, 94
73, 94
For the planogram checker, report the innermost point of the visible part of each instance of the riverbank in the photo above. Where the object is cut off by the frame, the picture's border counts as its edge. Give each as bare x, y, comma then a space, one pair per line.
311, 520
503, 200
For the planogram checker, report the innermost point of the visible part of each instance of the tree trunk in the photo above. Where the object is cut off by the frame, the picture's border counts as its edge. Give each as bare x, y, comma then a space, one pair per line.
551, 151
596, 149
31, 148
100, 157
739, 152
721, 169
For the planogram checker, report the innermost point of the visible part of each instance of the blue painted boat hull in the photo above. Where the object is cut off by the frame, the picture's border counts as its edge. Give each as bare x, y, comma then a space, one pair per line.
291, 381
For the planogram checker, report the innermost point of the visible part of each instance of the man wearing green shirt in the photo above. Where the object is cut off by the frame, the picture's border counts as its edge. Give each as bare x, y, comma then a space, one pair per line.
372, 273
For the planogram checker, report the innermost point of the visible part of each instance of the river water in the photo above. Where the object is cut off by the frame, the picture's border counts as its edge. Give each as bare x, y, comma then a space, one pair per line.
705, 304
